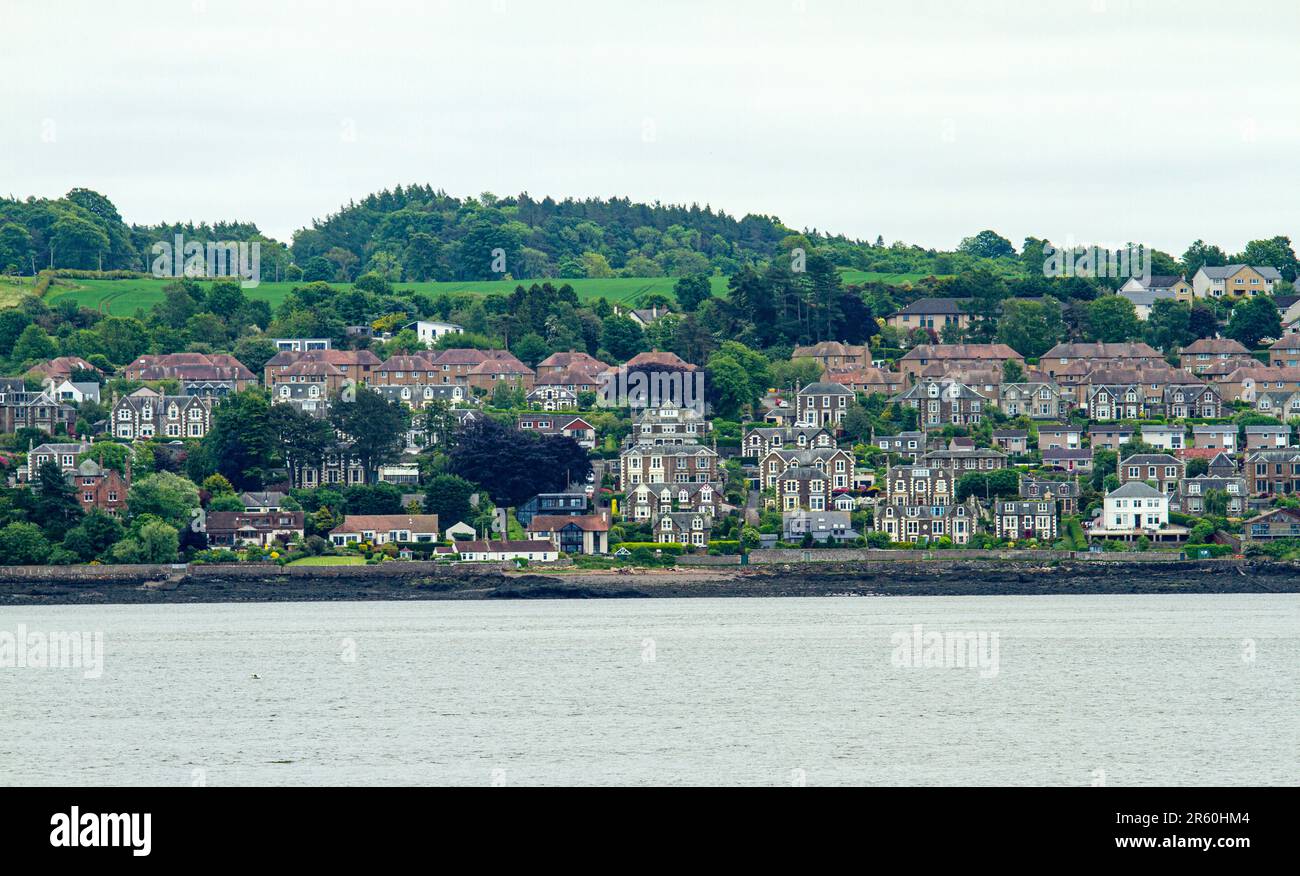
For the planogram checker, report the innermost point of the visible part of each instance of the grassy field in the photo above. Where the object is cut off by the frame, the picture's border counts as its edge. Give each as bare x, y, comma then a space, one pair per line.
125, 297
13, 289
329, 561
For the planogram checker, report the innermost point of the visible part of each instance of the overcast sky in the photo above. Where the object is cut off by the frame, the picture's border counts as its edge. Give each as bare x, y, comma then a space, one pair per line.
1093, 120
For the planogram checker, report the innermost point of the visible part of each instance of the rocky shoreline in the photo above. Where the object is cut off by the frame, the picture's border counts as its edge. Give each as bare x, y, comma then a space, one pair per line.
821, 579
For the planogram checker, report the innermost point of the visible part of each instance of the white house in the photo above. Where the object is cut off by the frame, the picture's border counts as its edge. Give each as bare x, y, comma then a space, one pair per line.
1136, 509
1164, 437
76, 393
498, 551
383, 528
428, 332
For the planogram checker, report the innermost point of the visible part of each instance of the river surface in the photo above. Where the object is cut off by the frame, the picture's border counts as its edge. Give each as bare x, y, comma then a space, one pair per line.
1051, 690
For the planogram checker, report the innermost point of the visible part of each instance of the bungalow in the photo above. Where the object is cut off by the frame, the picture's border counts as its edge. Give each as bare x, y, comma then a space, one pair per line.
61, 368
833, 354
866, 379
1069, 459
384, 528
539, 551
586, 534
562, 424
262, 528
552, 398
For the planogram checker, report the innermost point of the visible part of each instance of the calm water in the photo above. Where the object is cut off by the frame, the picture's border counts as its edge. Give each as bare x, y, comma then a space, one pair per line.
1151, 690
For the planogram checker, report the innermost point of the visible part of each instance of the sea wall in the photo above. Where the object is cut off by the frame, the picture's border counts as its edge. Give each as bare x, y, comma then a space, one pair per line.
874, 575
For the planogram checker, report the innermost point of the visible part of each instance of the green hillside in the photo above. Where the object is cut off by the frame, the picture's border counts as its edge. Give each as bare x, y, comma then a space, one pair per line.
125, 297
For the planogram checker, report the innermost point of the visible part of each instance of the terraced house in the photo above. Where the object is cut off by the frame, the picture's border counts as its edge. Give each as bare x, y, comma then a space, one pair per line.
677, 464
763, 440
1235, 280
803, 486
835, 463
649, 501
963, 461
1273, 472
1199, 355
145, 414
916, 524
1121, 355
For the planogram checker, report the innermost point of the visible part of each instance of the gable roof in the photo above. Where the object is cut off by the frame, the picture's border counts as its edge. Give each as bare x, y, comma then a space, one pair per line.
1135, 490
1223, 272
385, 522
556, 522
